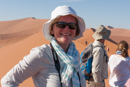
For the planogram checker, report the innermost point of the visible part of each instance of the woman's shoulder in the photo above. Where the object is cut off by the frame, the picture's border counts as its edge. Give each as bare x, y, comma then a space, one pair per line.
117, 56
114, 57
44, 49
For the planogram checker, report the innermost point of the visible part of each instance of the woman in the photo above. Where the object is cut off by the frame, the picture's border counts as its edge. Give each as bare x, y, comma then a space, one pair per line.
63, 27
119, 65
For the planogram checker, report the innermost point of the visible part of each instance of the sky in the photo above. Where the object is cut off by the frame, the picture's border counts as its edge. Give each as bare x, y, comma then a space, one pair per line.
115, 13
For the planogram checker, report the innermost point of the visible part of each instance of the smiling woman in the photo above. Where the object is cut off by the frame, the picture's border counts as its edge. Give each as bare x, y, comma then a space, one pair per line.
63, 27
64, 34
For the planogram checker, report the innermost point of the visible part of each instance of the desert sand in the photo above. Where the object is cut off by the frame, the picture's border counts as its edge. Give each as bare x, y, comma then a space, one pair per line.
18, 37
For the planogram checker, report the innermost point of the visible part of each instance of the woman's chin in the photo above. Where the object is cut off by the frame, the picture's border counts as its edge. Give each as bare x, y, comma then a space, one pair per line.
65, 41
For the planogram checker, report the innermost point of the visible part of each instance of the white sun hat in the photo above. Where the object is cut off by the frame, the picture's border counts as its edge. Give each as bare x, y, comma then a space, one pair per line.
62, 11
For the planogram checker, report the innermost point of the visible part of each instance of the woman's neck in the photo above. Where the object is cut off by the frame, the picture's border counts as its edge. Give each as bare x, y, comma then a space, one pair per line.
65, 47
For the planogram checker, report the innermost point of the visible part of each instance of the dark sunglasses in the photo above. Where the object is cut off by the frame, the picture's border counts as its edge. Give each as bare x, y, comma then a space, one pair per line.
72, 26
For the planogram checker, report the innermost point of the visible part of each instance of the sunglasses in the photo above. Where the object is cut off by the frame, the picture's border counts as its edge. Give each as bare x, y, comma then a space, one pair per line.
72, 26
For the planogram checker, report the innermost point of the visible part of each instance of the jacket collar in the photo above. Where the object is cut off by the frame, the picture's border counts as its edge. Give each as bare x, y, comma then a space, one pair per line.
98, 43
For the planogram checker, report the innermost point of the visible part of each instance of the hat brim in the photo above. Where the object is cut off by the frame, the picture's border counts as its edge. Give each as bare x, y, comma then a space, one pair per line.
47, 28
98, 36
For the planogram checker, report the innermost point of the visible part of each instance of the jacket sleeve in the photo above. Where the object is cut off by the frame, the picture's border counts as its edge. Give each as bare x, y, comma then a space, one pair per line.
26, 68
97, 66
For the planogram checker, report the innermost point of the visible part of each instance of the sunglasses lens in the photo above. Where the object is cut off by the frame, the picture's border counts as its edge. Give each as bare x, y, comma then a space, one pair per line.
72, 26
61, 24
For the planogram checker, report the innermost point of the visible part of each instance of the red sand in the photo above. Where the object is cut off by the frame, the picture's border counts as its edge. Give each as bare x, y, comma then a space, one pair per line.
18, 37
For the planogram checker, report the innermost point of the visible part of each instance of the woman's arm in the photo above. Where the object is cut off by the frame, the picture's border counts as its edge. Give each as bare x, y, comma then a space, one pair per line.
26, 68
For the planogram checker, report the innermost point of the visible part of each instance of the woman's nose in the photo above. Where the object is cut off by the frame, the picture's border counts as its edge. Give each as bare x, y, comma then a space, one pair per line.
67, 28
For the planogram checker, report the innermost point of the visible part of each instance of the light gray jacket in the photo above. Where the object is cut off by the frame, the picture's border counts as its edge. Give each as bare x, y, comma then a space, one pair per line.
99, 64
39, 65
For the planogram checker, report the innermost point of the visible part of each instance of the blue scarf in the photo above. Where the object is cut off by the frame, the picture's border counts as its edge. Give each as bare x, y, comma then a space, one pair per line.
70, 63
119, 52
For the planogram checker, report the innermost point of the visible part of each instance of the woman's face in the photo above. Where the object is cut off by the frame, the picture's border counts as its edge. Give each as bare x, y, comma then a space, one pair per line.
64, 35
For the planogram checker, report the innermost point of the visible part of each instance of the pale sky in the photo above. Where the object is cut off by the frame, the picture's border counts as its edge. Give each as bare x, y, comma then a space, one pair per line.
115, 13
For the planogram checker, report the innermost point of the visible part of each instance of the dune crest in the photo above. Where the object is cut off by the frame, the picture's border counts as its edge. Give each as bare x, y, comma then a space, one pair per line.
17, 30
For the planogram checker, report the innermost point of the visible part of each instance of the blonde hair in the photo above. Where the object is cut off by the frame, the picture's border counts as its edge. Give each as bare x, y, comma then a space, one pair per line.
56, 20
123, 47
52, 24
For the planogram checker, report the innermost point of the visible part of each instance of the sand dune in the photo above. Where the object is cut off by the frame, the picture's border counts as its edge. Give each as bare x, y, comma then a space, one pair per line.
16, 30
120, 32
18, 37
21, 25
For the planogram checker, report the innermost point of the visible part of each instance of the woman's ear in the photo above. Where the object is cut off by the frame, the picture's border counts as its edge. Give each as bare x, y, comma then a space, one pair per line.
52, 31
